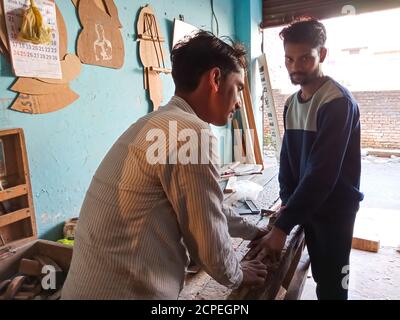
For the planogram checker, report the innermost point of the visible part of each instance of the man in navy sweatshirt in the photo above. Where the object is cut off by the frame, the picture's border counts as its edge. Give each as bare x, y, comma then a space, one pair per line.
320, 163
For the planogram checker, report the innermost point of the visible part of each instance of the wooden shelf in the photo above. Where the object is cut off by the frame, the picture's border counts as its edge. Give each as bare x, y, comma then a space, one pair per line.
17, 216
14, 216
13, 192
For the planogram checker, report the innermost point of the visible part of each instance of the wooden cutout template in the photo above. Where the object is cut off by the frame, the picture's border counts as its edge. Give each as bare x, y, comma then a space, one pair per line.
113, 12
71, 67
100, 41
62, 33
152, 54
36, 87
36, 104
106, 6
155, 88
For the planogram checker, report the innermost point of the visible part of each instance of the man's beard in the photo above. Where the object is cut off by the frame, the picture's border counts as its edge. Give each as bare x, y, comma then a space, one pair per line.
303, 78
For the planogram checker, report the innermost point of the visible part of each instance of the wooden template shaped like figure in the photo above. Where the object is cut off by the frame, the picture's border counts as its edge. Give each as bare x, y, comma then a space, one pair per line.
100, 42
151, 53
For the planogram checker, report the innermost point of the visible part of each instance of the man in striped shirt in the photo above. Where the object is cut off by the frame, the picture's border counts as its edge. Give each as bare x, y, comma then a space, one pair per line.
155, 196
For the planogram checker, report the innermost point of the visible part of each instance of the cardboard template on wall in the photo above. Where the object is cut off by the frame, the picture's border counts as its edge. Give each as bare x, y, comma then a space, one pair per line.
44, 103
34, 86
152, 54
70, 67
100, 42
155, 88
62, 33
107, 6
113, 12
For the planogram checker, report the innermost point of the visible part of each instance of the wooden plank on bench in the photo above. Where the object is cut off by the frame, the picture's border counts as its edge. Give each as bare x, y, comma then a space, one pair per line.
299, 279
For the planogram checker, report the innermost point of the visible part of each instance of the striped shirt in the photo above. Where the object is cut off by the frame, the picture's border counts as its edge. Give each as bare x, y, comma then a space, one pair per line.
139, 220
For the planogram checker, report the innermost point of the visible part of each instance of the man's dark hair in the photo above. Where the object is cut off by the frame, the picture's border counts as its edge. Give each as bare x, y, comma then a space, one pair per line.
305, 30
195, 55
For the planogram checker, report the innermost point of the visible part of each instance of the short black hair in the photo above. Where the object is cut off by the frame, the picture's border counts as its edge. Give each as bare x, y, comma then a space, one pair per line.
305, 30
195, 55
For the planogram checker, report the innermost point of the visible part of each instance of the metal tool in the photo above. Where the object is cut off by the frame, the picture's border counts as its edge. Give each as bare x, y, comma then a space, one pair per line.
249, 208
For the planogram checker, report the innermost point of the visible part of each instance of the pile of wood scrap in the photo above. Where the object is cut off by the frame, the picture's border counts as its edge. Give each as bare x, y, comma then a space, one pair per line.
39, 278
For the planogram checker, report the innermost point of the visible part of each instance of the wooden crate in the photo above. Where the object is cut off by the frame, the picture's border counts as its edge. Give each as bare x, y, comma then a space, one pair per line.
18, 232
10, 259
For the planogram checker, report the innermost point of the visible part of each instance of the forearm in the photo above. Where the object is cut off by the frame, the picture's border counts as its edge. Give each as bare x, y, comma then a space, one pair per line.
239, 227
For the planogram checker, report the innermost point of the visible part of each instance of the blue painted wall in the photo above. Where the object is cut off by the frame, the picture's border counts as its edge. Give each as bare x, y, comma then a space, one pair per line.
65, 147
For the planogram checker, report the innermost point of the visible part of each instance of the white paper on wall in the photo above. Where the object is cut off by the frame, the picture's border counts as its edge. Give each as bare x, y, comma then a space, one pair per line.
182, 29
28, 59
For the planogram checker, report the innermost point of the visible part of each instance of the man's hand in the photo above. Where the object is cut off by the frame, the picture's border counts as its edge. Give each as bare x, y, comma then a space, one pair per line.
269, 245
254, 273
260, 233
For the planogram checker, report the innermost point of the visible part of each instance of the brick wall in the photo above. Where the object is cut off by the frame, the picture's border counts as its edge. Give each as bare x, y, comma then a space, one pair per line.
380, 118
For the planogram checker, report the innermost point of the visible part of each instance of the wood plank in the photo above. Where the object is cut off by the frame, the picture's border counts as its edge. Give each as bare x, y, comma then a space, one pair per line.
8, 132
25, 166
15, 216
248, 141
230, 186
238, 148
251, 120
276, 273
299, 279
293, 267
13, 192
366, 244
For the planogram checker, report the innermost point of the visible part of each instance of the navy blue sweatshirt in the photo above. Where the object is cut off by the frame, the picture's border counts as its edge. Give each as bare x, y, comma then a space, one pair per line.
320, 161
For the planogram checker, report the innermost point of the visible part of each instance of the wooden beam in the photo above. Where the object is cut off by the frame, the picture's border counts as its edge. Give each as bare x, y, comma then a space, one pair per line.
251, 120
366, 244
296, 286
13, 192
163, 70
247, 138
145, 37
231, 185
15, 216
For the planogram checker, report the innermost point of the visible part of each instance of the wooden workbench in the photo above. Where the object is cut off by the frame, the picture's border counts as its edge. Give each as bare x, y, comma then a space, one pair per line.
285, 280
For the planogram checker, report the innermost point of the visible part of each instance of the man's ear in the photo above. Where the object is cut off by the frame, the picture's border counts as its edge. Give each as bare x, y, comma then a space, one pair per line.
215, 78
322, 54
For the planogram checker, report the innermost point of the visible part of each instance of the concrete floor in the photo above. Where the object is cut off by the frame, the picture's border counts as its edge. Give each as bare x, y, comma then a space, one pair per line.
375, 276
